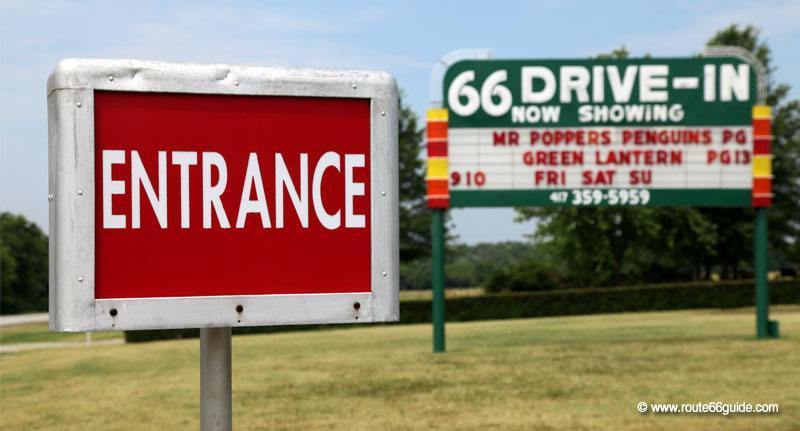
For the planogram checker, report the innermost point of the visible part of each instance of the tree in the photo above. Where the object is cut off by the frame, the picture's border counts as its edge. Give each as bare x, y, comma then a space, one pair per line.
23, 265
598, 246
607, 245
415, 219
784, 222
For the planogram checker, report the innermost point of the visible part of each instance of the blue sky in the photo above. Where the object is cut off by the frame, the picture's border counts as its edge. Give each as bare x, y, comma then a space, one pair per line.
405, 38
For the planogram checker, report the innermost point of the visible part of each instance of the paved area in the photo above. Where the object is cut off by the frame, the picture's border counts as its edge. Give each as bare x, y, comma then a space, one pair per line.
23, 319
21, 347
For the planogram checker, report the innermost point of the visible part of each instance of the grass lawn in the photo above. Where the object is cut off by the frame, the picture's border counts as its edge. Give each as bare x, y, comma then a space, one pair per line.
570, 373
40, 333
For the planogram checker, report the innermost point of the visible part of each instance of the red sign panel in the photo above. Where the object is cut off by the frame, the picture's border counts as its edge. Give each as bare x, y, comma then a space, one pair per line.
209, 195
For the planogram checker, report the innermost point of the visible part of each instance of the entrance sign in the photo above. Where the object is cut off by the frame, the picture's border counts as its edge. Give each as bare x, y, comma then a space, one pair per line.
210, 195
673, 131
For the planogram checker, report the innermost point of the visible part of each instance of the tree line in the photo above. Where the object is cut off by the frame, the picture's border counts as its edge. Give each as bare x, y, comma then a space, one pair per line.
600, 246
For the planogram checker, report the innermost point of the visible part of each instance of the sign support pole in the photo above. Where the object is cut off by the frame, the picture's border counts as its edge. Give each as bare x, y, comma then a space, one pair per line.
215, 379
762, 199
437, 240
765, 328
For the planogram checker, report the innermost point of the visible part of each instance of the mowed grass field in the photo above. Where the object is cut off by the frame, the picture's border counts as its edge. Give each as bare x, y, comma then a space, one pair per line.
39, 333
567, 373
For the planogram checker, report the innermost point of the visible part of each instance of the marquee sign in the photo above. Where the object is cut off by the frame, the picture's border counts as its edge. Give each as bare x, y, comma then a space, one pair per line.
210, 195
674, 131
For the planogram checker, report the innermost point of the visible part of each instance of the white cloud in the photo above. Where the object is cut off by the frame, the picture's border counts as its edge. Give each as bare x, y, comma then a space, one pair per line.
776, 19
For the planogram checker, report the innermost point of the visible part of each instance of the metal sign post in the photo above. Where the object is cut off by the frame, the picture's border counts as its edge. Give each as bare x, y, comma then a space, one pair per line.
765, 328
215, 379
762, 172
438, 199
437, 240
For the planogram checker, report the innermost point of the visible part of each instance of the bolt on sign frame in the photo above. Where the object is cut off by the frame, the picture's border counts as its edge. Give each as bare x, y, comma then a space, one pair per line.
635, 132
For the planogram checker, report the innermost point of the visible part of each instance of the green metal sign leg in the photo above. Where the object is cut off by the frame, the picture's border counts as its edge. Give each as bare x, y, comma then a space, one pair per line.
437, 238
765, 328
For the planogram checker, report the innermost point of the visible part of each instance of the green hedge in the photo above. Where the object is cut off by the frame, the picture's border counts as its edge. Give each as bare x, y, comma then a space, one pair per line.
555, 303
601, 300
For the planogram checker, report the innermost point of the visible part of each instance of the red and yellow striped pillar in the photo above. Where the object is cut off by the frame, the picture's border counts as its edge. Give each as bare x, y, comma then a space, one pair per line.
762, 156
437, 178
